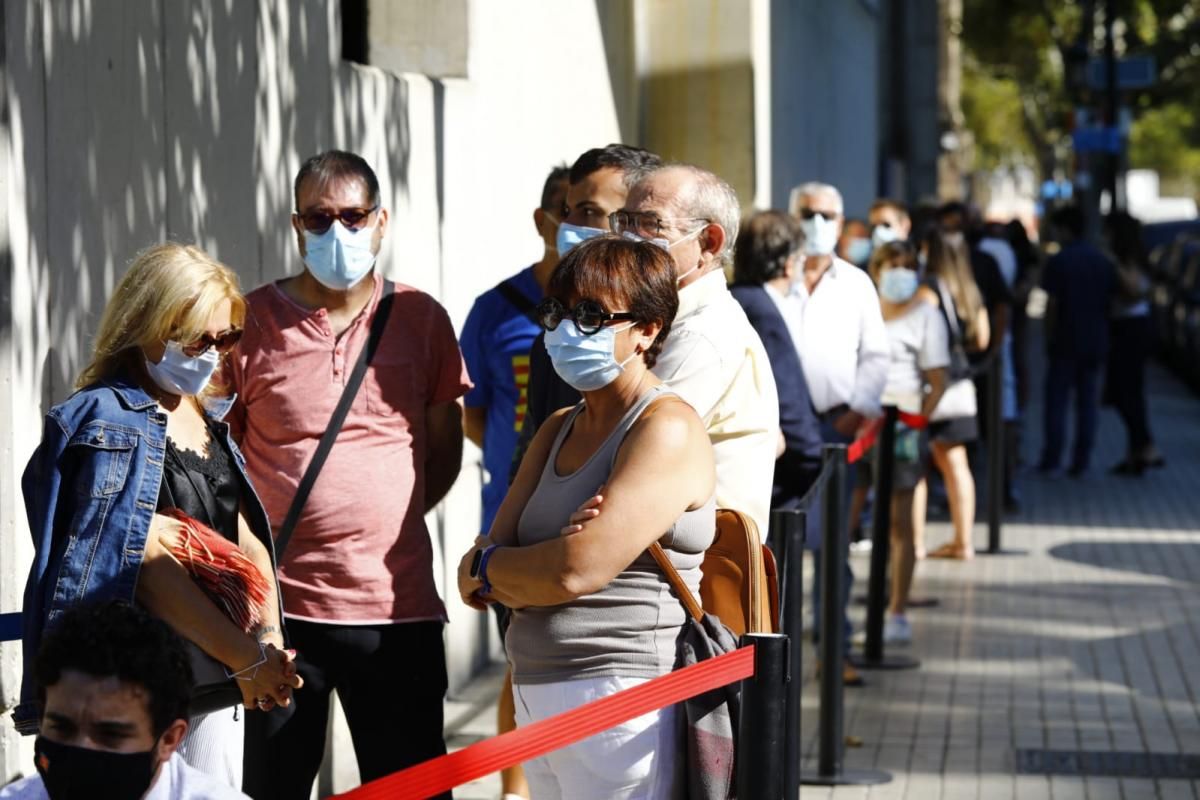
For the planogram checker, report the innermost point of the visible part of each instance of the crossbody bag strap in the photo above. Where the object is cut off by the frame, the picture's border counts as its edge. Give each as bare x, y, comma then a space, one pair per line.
516, 298
382, 311
690, 603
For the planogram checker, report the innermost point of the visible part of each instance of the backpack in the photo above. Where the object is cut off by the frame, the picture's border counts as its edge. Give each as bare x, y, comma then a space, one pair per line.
739, 581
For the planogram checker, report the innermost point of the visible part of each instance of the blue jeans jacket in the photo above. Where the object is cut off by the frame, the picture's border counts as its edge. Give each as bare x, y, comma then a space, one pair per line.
91, 489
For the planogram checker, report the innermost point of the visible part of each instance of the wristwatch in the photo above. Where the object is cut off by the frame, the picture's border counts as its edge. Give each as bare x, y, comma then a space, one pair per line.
475, 563
479, 568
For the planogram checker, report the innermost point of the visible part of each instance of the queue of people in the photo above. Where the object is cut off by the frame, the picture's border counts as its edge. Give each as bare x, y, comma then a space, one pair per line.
621, 392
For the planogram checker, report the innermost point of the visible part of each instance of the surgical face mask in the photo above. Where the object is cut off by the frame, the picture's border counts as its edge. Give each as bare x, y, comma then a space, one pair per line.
75, 773
665, 244
897, 284
955, 238
882, 234
821, 235
858, 250
339, 258
586, 363
181, 374
570, 235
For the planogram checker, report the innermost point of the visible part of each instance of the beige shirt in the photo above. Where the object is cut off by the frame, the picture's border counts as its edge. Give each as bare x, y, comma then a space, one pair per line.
715, 361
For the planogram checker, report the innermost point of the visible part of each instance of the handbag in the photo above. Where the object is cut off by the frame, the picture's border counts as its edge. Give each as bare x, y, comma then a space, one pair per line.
706, 733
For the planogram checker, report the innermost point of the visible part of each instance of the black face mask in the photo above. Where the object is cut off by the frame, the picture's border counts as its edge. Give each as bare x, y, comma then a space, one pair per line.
70, 772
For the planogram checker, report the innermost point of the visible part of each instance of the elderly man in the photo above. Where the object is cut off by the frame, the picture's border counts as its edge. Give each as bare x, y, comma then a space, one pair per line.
357, 577
840, 336
713, 358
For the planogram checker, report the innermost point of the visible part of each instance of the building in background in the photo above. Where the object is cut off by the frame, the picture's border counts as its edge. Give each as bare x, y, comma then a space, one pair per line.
132, 121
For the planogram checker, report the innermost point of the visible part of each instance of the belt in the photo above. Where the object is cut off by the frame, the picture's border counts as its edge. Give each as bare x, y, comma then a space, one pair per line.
833, 413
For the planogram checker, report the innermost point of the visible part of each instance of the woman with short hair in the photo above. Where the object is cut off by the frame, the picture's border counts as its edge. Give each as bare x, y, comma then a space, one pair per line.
140, 440
592, 613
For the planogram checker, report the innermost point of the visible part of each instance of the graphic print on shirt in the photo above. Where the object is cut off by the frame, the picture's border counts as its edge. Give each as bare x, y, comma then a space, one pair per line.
520, 373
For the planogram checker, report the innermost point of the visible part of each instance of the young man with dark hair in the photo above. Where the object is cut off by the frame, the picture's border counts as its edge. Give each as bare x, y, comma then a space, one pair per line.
114, 684
495, 342
600, 180
357, 575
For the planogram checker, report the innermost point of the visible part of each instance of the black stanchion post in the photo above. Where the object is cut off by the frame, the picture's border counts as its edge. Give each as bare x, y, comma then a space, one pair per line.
995, 449
761, 734
881, 543
830, 738
792, 573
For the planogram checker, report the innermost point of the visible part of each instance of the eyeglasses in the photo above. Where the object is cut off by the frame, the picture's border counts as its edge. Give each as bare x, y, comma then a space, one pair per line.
644, 223
319, 221
589, 316
223, 342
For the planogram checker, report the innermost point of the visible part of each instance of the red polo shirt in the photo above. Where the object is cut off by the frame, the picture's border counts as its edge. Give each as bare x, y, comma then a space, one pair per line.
361, 552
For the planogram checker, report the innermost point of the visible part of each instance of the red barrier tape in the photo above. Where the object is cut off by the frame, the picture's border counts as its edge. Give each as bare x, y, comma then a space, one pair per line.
545, 736
863, 444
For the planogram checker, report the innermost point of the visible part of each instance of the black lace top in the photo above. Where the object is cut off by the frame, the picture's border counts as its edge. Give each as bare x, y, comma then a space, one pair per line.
204, 487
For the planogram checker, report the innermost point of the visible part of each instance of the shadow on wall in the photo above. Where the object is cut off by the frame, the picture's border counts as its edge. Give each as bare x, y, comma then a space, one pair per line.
134, 122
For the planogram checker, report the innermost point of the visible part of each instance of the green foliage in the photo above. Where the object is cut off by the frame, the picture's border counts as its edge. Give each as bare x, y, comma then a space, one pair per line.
1016, 56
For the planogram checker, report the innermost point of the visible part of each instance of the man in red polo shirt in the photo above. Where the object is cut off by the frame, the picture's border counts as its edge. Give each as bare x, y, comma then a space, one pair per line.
361, 606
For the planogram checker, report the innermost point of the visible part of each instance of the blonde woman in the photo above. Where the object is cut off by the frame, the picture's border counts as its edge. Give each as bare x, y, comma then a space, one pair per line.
951, 287
143, 434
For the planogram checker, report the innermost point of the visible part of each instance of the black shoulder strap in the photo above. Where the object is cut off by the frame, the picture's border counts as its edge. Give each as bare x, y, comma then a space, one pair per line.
518, 300
337, 420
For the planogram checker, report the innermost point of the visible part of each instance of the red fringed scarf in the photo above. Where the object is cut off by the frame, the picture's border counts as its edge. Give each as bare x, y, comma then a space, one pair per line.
221, 570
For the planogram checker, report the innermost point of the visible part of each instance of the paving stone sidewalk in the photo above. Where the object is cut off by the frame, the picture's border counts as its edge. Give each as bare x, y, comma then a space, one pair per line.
1089, 639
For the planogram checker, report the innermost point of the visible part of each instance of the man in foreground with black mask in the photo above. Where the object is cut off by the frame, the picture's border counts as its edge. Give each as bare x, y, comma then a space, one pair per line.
114, 685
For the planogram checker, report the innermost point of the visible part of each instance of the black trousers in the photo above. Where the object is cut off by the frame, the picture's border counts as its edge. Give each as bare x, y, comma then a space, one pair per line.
1125, 381
391, 680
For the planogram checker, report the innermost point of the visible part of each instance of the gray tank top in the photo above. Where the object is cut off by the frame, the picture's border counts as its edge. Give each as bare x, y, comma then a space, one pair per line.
628, 628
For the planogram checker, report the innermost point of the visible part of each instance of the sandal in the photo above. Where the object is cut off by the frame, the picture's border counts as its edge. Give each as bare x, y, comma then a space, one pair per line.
952, 551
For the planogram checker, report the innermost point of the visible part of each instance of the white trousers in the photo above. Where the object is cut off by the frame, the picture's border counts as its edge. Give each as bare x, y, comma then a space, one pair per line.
634, 761
214, 744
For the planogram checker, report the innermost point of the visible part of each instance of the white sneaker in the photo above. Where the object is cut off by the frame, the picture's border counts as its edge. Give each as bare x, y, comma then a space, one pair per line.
861, 546
897, 630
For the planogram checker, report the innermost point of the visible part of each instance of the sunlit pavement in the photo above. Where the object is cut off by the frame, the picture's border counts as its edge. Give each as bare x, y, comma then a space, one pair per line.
1089, 640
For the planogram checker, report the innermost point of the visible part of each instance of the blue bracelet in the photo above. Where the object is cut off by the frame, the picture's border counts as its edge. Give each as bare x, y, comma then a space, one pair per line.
486, 588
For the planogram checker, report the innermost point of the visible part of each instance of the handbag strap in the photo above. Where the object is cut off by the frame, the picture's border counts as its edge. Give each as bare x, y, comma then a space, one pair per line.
516, 298
382, 311
690, 604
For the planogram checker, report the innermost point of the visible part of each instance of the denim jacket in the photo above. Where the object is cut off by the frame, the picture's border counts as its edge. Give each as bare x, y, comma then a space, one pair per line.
91, 489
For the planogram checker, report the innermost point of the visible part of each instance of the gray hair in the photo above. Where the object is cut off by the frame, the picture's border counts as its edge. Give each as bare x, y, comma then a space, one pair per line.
713, 199
814, 188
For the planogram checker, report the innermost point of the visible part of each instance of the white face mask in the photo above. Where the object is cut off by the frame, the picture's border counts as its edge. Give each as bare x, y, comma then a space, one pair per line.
339, 258
180, 374
882, 234
821, 235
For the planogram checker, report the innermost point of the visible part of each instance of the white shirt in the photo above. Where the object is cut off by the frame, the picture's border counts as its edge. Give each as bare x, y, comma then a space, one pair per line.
838, 332
919, 343
715, 361
176, 781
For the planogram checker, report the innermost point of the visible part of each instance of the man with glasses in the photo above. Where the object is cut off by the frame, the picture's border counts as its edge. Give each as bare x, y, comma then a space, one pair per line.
712, 358
839, 333
362, 608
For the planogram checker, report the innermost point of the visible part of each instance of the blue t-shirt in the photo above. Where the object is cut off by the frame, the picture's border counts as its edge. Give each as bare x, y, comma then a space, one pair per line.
495, 343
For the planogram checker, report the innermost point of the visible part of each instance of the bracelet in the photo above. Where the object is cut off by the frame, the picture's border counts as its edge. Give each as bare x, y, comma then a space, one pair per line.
265, 630
486, 588
238, 676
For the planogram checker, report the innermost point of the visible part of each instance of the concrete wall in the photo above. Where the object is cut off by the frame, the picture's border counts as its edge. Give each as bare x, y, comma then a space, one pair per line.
135, 120
824, 98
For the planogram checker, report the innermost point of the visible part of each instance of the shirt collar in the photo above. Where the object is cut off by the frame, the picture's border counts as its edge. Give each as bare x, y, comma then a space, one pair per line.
697, 295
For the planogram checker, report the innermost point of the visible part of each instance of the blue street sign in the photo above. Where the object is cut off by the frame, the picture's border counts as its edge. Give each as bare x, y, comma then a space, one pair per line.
1097, 140
1133, 72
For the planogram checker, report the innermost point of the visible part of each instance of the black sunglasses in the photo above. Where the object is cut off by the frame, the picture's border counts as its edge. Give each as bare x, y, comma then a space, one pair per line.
223, 342
588, 315
808, 213
319, 221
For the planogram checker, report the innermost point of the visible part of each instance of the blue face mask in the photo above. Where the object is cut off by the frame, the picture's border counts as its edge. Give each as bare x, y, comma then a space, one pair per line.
882, 234
179, 373
586, 363
821, 235
570, 235
339, 258
897, 285
858, 251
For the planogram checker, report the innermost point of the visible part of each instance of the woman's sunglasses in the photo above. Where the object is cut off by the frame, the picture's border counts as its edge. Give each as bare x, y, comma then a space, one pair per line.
588, 315
222, 342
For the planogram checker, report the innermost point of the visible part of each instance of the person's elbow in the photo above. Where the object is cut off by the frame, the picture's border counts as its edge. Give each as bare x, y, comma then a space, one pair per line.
580, 580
